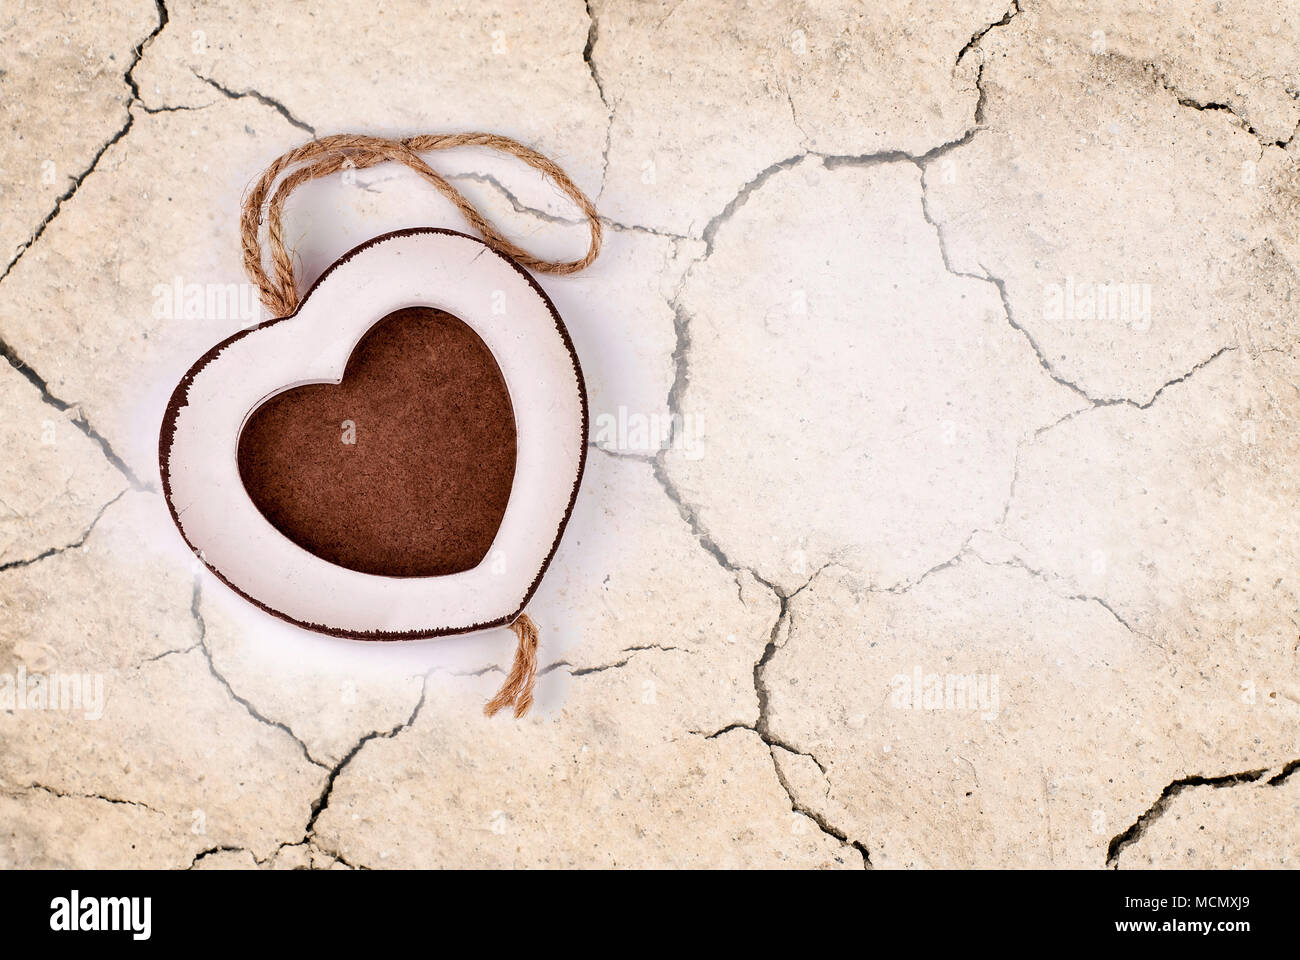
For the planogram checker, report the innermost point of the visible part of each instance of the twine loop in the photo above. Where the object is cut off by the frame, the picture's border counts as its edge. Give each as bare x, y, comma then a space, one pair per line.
356, 151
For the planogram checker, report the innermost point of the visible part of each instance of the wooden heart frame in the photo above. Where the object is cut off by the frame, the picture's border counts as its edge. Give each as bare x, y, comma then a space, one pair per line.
425, 266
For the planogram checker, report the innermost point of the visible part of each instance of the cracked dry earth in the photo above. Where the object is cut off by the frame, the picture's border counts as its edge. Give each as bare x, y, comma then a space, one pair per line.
943, 564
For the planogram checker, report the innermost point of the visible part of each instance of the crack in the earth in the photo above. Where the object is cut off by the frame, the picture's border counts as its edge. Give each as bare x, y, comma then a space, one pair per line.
170, 108
55, 551
1001, 286
824, 825
710, 231
261, 98
1214, 106
623, 454
979, 35
691, 516
907, 585
783, 618
313, 847
1017, 562
1169, 383
681, 372
221, 848
67, 795
763, 727
77, 419
794, 117
138, 53
513, 199
774, 743
1284, 774
1015, 463
177, 651
67, 195
520, 207
322, 801
999, 283
601, 668
336, 856
593, 34
1043, 362
1134, 833
1092, 400
738, 725
253, 712
128, 78
1105, 605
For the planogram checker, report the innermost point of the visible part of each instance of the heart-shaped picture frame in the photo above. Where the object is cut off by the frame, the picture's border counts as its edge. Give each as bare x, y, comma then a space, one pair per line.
425, 267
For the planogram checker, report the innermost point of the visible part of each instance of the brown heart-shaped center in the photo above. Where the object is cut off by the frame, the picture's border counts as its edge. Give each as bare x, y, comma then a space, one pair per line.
402, 469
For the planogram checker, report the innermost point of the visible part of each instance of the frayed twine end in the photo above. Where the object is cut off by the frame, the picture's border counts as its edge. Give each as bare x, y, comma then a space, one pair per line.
518, 687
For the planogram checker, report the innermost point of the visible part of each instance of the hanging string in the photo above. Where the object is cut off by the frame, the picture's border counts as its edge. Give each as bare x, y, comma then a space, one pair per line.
517, 691
355, 151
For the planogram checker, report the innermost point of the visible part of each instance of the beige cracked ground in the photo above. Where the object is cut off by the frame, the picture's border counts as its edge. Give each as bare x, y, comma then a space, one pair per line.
975, 541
